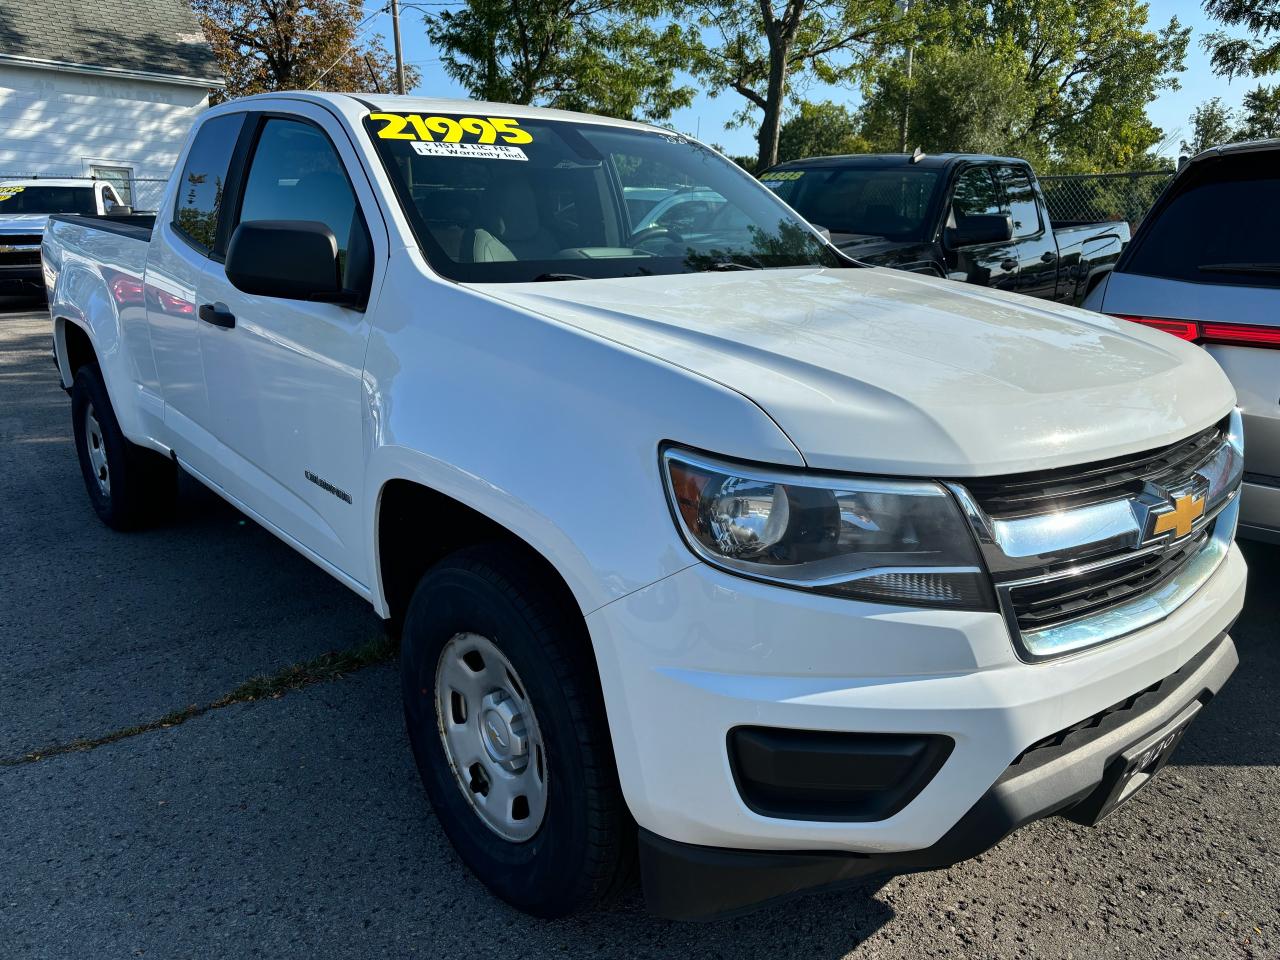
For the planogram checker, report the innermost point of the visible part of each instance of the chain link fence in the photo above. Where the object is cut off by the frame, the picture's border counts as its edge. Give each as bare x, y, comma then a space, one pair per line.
142, 193
1097, 197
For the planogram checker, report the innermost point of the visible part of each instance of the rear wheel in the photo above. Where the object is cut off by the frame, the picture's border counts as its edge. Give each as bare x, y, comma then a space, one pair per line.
508, 730
128, 485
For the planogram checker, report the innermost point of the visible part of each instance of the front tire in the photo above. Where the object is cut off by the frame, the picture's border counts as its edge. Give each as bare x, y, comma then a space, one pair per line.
508, 731
129, 486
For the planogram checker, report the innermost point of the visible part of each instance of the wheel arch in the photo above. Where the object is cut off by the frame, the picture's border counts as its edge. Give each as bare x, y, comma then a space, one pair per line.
74, 347
416, 525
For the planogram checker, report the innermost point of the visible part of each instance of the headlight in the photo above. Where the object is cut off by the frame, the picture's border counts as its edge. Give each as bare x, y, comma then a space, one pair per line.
890, 541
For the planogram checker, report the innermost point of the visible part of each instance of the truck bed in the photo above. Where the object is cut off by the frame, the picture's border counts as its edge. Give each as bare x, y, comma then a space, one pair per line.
138, 226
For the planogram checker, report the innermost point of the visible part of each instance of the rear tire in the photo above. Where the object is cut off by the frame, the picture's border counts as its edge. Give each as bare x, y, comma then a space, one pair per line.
490, 617
129, 486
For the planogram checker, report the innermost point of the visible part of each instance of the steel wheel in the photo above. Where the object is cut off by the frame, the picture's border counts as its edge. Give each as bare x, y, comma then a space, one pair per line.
97, 450
491, 736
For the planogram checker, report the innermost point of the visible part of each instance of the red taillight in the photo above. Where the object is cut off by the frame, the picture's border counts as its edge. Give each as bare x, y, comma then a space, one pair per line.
1182, 329
1240, 333
1236, 334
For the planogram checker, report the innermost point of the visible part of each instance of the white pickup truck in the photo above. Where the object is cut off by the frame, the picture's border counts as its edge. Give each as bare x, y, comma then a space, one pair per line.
720, 551
25, 208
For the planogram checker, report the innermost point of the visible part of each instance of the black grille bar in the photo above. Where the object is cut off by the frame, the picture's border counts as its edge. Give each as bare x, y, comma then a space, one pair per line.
1051, 603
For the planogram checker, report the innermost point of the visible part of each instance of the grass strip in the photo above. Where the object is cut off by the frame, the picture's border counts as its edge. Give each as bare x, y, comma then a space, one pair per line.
327, 667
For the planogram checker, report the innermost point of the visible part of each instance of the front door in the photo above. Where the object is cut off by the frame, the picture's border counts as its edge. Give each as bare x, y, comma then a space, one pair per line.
284, 377
976, 193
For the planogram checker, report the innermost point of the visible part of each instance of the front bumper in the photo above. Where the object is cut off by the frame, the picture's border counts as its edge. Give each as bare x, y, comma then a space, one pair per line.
690, 658
1069, 773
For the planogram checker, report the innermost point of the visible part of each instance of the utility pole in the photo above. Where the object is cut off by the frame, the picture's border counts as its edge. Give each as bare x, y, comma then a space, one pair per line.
395, 32
904, 127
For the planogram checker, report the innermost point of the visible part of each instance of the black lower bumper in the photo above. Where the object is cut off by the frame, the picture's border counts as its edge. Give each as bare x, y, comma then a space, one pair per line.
1075, 770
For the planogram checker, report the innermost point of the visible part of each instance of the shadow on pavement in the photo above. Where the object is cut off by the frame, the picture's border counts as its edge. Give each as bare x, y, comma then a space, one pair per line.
1241, 727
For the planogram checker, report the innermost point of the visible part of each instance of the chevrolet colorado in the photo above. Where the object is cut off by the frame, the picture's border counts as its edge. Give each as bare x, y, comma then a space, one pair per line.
719, 555
967, 217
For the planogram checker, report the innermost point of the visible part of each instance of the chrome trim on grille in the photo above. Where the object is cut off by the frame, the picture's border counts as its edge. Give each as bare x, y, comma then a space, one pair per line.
1066, 544
1143, 611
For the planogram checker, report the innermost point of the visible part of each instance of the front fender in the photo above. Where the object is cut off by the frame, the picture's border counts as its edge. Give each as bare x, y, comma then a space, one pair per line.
548, 430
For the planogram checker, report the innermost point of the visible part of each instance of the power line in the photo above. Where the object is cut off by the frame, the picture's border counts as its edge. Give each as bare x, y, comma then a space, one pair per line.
355, 38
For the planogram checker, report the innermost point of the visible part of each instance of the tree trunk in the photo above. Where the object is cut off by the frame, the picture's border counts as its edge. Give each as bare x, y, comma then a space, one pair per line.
771, 125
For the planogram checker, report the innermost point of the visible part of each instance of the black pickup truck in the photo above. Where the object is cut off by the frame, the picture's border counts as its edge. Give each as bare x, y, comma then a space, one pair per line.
967, 217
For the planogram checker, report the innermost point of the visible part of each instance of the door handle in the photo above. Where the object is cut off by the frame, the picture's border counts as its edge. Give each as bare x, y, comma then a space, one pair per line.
1048, 256
1005, 265
218, 315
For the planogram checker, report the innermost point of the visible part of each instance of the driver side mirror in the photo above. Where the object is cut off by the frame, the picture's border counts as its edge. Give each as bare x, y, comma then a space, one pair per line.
983, 228
291, 259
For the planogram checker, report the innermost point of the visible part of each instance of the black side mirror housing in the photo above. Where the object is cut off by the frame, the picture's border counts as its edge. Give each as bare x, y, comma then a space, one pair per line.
291, 259
983, 228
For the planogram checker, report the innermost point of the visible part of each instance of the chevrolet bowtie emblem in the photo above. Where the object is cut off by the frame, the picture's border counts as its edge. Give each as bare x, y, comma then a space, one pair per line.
1187, 509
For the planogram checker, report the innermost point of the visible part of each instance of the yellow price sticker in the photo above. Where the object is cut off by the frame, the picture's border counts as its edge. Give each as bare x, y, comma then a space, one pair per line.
782, 175
7, 192
412, 126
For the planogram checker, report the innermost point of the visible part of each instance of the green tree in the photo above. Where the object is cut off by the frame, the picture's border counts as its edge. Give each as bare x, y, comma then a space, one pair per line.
820, 130
1260, 118
763, 50
264, 45
603, 56
1212, 123
962, 100
1075, 78
1256, 54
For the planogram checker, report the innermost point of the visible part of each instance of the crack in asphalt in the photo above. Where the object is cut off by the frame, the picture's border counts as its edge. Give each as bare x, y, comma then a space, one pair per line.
322, 669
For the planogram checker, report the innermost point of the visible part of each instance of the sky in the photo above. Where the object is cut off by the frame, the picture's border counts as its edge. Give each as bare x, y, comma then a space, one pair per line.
707, 117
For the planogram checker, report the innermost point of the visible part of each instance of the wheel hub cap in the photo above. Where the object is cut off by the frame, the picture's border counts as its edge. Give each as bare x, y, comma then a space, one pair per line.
97, 450
491, 737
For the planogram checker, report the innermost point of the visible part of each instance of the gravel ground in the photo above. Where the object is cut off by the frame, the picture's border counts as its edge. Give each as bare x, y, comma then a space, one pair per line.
295, 826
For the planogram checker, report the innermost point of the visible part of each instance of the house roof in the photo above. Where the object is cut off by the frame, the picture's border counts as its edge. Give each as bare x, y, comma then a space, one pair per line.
154, 37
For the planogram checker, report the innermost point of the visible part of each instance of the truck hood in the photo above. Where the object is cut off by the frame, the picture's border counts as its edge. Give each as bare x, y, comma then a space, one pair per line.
23, 222
873, 370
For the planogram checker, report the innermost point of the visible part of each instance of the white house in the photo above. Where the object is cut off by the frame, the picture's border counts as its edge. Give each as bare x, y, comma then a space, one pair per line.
106, 88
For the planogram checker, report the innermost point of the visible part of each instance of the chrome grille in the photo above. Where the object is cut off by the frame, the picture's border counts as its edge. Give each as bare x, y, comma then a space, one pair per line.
20, 239
1084, 555
1027, 494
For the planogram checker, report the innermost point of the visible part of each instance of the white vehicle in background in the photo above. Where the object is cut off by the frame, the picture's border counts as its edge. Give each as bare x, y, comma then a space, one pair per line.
718, 548
1205, 267
25, 207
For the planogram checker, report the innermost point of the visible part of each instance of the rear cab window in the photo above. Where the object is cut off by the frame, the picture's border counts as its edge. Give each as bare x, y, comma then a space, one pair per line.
204, 176
1217, 224
1020, 196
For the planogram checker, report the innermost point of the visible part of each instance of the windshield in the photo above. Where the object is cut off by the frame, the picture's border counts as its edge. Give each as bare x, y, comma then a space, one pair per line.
22, 199
889, 202
499, 199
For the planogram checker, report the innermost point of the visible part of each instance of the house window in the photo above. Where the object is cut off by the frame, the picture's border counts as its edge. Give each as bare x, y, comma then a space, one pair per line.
119, 177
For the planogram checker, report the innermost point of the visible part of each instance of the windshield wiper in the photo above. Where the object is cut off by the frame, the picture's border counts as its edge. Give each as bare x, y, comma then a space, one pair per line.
720, 266
559, 276
1239, 267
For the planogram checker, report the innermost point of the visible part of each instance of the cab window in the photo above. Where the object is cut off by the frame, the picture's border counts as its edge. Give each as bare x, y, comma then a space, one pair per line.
199, 200
977, 195
295, 174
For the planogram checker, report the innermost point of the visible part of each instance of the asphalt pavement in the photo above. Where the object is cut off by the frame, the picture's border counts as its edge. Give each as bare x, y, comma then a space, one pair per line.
295, 826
